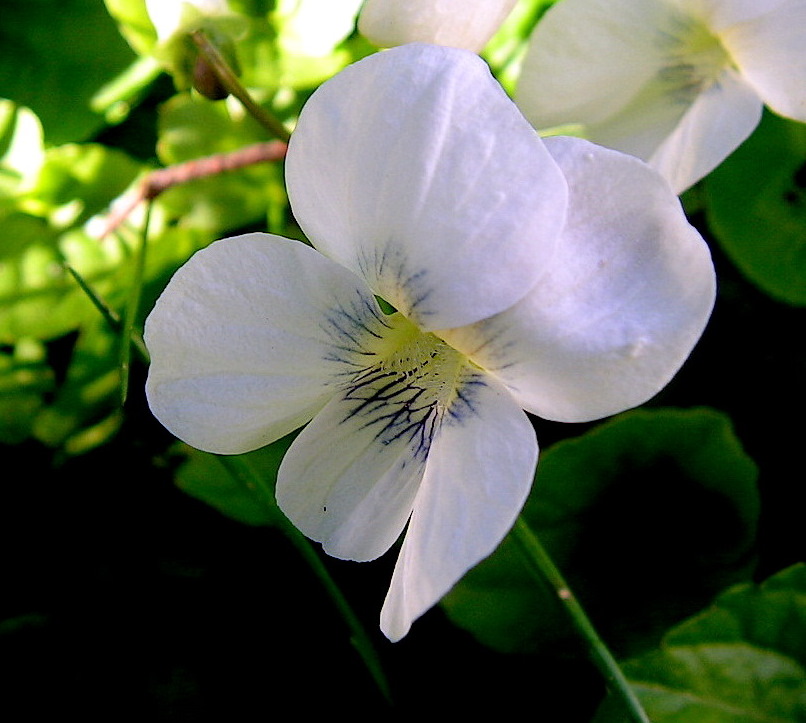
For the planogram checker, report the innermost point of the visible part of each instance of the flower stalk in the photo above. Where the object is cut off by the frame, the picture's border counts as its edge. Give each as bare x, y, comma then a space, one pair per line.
540, 563
132, 307
232, 85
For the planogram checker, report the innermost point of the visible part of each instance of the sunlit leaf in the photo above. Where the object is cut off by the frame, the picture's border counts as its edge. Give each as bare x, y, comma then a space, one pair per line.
134, 23
20, 230
41, 299
77, 181
21, 147
756, 208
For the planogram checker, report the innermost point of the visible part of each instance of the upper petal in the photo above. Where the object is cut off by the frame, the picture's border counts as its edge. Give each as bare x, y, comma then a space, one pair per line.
770, 51
465, 24
248, 339
627, 296
414, 169
477, 477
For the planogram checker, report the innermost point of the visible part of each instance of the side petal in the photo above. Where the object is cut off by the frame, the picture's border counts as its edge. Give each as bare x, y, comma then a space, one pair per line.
477, 478
716, 123
627, 296
249, 338
415, 170
465, 24
770, 51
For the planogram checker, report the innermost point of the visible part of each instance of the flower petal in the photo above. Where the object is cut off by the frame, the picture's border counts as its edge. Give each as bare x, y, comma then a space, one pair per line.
770, 51
625, 299
588, 59
414, 169
465, 24
249, 338
349, 483
477, 478
720, 14
718, 121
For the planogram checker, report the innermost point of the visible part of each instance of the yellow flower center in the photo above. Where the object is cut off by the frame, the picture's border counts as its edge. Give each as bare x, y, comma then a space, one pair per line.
411, 381
696, 57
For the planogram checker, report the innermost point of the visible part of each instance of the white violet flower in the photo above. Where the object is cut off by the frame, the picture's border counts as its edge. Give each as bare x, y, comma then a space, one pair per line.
556, 277
678, 83
467, 24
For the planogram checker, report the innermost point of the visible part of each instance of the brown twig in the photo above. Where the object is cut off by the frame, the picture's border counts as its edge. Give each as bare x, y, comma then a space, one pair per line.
161, 180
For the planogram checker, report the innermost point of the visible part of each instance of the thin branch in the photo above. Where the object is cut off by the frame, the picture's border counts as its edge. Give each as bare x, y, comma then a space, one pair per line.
159, 181
108, 313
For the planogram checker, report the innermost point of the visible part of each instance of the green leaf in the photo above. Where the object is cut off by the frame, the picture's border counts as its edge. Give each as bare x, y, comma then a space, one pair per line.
741, 660
40, 299
34, 294
771, 616
21, 230
204, 477
756, 208
77, 181
54, 56
648, 515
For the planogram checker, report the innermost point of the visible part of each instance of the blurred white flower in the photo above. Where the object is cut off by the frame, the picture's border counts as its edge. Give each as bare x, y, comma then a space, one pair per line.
678, 83
465, 24
314, 27
558, 277
170, 17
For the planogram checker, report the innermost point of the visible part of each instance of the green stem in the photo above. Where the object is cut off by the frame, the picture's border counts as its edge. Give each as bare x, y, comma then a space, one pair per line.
109, 315
132, 307
539, 561
248, 478
233, 86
